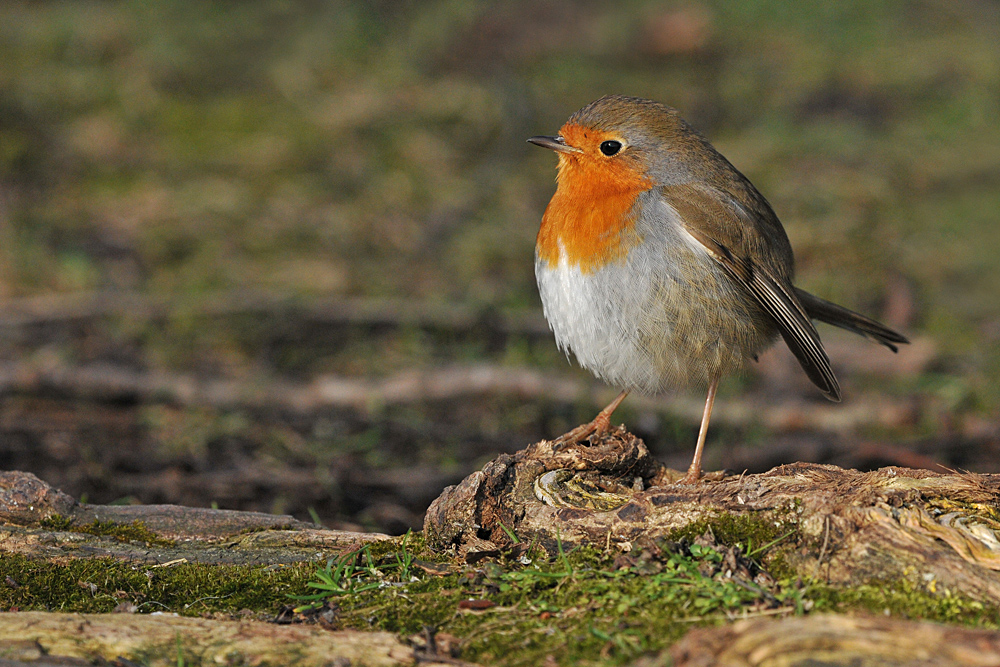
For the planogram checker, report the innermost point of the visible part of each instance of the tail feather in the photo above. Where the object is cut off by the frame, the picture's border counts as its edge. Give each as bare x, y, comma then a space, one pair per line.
838, 316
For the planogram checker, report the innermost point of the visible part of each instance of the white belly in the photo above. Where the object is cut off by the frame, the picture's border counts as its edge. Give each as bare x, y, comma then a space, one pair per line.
661, 317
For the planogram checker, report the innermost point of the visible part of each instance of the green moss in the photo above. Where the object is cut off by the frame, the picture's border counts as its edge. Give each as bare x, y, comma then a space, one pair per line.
99, 585
56, 522
135, 531
580, 604
765, 537
412, 543
734, 529
906, 599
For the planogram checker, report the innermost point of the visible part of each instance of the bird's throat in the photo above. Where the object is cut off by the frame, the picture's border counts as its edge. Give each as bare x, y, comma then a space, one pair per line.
591, 218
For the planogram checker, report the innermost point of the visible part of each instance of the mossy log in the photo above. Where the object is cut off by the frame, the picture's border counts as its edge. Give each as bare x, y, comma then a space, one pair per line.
39, 521
939, 530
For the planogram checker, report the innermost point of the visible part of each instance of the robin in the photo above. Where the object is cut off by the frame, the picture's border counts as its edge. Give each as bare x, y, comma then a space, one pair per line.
660, 265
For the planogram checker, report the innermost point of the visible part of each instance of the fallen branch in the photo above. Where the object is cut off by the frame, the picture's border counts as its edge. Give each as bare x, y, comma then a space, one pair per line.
365, 395
183, 534
49, 309
167, 639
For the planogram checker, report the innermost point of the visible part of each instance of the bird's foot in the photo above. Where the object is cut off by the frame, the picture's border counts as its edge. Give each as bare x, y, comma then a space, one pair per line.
600, 425
693, 476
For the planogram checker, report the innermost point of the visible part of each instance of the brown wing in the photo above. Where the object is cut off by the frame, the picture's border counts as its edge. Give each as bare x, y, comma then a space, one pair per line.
738, 217
744, 254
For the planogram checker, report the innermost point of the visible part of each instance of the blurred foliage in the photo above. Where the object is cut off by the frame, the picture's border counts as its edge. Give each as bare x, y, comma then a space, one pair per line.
377, 149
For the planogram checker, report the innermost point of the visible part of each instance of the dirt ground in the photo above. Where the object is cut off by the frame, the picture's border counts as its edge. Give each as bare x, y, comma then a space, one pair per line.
106, 432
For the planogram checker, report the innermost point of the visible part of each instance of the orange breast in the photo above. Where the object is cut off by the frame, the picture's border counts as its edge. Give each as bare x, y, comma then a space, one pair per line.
591, 218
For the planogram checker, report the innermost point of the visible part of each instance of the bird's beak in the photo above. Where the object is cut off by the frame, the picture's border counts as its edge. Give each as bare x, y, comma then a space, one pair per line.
557, 144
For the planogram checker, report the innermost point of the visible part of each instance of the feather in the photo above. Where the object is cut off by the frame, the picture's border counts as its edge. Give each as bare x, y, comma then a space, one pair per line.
704, 212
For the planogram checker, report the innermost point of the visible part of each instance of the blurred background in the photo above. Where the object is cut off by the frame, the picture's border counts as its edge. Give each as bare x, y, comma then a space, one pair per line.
277, 255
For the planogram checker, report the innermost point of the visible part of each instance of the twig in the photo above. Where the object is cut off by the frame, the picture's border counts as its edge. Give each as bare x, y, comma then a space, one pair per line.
750, 614
826, 542
209, 597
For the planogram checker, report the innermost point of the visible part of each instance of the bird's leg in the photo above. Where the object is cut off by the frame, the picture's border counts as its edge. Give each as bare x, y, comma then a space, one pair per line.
600, 424
694, 471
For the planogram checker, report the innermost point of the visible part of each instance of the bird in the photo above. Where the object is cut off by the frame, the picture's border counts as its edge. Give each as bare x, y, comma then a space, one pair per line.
659, 265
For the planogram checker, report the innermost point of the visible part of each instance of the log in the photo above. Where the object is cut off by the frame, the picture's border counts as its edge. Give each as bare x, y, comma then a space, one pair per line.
852, 527
34, 518
832, 641
168, 639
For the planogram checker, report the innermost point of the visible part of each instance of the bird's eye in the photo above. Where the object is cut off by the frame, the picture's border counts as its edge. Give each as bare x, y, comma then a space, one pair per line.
611, 147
